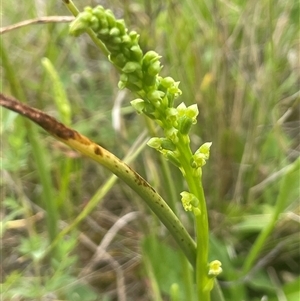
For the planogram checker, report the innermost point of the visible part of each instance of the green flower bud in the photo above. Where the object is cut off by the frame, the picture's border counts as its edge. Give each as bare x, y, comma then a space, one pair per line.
155, 95
126, 39
99, 13
114, 32
167, 82
118, 60
184, 125
121, 85
134, 36
154, 68
102, 22
110, 18
120, 24
94, 23
115, 41
186, 117
138, 104
155, 142
88, 9
137, 52
131, 67
168, 144
151, 56
103, 33
126, 52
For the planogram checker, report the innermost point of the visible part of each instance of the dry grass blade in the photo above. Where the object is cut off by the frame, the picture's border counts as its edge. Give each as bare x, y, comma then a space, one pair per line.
41, 20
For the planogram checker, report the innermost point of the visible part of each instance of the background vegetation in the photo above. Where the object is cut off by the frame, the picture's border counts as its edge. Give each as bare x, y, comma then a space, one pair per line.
239, 61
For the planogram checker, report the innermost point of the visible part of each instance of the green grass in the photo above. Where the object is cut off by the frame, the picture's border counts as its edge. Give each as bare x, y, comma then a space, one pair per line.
238, 61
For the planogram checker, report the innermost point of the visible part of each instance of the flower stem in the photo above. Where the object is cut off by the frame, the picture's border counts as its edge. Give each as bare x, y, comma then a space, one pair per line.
201, 223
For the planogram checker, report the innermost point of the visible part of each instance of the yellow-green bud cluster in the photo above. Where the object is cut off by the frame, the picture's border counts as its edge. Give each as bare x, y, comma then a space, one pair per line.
139, 72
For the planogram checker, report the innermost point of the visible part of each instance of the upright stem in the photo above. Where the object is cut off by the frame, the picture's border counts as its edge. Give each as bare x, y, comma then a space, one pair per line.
201, 224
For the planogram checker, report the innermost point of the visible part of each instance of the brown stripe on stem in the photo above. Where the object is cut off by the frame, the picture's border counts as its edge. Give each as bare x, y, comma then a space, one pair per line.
48, 123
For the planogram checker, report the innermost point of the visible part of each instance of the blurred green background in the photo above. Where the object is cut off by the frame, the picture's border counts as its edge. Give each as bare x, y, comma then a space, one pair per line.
240, 62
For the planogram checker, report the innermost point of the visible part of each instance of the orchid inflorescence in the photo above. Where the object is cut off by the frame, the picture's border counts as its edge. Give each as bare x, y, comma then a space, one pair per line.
140, 74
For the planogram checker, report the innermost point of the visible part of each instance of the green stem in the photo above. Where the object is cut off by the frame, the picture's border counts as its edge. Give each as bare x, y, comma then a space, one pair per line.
201, 222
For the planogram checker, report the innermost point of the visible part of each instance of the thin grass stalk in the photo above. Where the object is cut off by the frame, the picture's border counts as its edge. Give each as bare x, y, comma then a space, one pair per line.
39, 152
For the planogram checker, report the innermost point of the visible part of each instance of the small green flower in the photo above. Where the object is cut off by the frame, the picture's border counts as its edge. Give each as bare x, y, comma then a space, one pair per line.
167, 82
167, 144
131, 67
149, 58
137, 53
138, 104
201, 155
110, 18
154, 68
189, 201
214, 268
172, 134
155, 142
184, 124
155, 95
